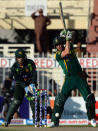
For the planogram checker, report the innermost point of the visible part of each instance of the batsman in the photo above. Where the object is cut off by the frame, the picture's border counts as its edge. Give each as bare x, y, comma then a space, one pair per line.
75, 78
24, 73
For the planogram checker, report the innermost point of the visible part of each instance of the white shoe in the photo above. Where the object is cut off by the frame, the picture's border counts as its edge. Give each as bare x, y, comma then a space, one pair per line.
52, 125
93, 122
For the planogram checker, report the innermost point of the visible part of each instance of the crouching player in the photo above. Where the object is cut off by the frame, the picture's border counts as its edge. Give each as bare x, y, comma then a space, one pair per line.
74, 79
24, 73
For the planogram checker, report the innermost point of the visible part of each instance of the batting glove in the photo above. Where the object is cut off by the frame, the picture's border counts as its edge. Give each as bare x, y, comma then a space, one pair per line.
69, 35
63, 33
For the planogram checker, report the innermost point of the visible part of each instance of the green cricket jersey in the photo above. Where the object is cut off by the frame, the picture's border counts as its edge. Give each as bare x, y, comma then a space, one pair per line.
69, 64
25, 73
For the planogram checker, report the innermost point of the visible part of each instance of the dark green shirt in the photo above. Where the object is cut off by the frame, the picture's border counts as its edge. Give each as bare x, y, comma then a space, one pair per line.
27, 73
69, 64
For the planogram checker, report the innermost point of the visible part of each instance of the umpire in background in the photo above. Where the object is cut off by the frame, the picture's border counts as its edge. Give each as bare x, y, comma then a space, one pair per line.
24, 73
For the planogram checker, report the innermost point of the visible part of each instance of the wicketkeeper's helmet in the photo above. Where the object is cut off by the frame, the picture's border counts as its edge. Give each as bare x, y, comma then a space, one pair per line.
20, 53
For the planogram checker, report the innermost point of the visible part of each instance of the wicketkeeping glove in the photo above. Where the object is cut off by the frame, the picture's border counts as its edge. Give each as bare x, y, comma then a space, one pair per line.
69, 35
31, 89
63, 33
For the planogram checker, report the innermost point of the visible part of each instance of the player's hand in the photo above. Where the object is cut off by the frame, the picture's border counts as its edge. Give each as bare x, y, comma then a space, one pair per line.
68, 35
63, 33
31, 89
26, 89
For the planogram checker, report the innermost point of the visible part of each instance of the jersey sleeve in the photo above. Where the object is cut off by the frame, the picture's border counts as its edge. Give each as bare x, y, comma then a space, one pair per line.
12, 72
34, 73
58, 55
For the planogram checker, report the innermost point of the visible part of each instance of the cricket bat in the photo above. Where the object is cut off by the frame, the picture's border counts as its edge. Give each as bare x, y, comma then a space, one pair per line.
62, 15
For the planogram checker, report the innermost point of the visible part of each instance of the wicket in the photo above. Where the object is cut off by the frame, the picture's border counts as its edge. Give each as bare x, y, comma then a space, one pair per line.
43, 92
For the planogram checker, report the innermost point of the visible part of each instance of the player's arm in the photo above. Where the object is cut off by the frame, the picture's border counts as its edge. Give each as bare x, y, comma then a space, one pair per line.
66, 51
32, 86
12, 72
34, 73
34, 77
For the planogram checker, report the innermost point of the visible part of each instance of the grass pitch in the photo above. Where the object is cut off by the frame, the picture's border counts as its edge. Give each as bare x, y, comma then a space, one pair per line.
60, 128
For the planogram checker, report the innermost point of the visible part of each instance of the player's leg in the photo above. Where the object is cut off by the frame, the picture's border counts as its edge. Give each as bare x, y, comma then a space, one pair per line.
88, 97
18, 97
13, 108
60, 100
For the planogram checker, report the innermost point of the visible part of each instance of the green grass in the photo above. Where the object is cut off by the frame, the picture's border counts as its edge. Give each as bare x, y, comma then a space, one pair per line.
6, 129
32, 128
17, 129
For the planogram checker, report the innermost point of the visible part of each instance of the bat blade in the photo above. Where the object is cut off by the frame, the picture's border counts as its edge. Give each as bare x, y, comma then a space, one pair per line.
62, 15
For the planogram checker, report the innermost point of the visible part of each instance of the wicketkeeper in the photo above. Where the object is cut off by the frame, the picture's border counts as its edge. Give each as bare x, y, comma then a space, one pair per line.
74, 79
24, 73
